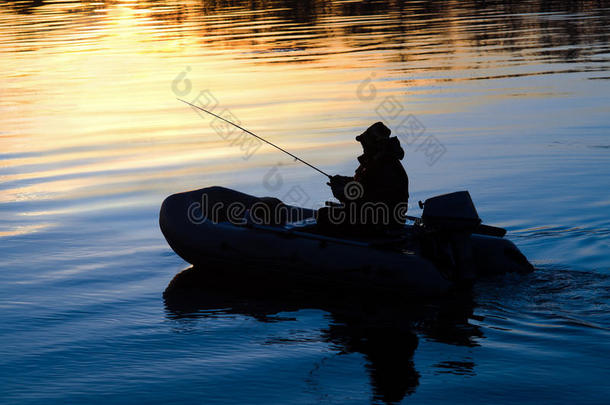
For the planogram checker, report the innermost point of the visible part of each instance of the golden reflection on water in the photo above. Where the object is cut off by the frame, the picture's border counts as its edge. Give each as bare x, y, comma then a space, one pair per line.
23, 230
88, 108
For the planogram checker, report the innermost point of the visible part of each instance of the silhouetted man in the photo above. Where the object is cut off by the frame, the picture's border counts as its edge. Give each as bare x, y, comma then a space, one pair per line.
375, 198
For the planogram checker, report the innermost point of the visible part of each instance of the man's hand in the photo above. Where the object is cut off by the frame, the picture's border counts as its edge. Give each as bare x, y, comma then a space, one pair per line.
337, 185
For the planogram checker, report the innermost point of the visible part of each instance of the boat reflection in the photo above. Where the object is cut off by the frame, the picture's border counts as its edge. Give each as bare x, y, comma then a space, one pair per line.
383, 328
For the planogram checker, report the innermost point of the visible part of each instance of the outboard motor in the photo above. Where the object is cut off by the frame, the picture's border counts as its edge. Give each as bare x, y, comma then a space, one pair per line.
448, 221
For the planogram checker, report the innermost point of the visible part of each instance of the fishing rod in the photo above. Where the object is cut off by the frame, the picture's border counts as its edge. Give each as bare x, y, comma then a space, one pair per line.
256, 136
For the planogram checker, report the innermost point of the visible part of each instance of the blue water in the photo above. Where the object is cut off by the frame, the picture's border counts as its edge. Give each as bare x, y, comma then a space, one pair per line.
514, 95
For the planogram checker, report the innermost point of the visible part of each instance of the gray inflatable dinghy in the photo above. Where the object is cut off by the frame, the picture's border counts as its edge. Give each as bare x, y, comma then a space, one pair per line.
211, 226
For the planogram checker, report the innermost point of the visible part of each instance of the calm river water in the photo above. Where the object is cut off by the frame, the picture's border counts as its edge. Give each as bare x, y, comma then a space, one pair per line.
509, 100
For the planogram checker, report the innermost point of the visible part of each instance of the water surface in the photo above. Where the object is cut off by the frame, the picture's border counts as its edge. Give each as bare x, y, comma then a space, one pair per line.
506, 99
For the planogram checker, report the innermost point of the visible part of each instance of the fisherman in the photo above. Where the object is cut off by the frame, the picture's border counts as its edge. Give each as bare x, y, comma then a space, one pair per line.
375, 199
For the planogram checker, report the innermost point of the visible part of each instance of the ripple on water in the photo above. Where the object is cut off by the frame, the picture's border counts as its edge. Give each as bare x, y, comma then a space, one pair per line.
92, 140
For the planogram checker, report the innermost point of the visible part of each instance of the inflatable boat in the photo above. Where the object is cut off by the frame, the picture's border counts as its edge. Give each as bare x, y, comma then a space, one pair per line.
214, 227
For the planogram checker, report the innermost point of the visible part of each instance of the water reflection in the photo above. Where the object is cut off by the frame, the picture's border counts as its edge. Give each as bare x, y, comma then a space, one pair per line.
87, 102
291, 31
92, 140
383, 329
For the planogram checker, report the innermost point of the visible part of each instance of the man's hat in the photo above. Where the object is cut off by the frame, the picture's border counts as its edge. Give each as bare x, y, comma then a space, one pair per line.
374, 133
